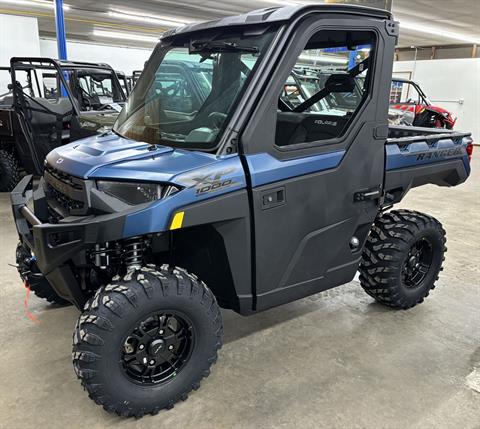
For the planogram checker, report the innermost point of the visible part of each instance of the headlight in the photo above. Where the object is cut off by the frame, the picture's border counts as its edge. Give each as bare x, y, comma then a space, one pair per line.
136, 193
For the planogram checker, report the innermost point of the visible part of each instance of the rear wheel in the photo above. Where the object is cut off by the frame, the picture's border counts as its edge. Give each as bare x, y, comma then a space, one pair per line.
9, 171
402, 258
144, 342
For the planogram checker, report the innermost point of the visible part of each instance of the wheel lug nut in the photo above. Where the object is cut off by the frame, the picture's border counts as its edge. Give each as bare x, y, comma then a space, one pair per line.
152, 362
141, 346
170, 347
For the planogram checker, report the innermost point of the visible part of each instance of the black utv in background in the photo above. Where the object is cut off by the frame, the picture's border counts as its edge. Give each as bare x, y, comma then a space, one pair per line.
232, 197
50, 103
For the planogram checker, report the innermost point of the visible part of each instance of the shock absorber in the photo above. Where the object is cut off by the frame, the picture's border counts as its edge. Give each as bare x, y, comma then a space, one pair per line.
101, 255
133, 249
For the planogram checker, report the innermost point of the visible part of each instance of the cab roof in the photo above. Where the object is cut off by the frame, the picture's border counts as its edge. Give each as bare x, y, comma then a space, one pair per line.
278, 14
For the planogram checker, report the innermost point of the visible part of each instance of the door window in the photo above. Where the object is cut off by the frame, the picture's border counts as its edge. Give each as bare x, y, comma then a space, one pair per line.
327, 86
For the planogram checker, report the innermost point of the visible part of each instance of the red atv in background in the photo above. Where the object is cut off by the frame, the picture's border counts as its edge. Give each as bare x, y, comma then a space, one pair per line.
410, 106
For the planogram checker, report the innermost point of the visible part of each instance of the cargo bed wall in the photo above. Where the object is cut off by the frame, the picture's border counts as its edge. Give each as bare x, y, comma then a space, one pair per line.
419, 156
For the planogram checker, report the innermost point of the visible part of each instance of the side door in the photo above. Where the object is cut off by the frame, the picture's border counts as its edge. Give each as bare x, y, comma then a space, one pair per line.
316, 170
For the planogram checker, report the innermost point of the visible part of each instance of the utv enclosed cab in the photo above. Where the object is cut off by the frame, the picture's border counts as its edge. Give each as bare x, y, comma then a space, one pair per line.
246, 159
239, 199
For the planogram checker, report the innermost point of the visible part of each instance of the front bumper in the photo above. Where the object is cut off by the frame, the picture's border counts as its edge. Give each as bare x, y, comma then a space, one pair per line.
54, 245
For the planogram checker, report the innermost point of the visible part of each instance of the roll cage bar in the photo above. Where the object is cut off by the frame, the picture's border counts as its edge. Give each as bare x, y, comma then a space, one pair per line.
37, 63
28, 69
416, 86
59, 66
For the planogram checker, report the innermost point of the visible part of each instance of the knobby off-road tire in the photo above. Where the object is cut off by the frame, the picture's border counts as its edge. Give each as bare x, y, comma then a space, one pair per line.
9, 171
402, 258
37, 283
131, 320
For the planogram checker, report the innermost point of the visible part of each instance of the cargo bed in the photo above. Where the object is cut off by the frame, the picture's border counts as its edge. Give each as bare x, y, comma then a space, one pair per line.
418, 156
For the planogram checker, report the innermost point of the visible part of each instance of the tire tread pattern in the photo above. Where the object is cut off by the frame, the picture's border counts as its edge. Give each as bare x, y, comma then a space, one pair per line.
120, 297
384, 252
10, 170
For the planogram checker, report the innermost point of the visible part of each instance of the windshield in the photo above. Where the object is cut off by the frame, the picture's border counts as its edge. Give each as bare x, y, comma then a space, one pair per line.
188, 89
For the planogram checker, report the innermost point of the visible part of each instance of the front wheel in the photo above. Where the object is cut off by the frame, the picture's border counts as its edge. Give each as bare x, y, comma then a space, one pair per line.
402, 258
33, 278
145, 341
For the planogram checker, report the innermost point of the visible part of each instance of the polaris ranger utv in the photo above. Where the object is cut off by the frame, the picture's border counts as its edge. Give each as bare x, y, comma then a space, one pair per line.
51, 103
241, 202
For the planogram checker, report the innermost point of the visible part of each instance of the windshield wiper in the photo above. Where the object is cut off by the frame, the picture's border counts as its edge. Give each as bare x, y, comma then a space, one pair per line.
197, 46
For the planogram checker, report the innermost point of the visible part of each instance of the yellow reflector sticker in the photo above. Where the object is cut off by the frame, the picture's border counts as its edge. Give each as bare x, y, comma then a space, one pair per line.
177, 220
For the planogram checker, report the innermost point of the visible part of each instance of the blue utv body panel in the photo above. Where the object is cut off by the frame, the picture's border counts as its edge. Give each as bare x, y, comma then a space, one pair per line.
421, 153
110, 157
265, 169
157, 216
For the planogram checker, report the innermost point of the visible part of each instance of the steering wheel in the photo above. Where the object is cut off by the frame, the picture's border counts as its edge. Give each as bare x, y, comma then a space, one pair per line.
87, 98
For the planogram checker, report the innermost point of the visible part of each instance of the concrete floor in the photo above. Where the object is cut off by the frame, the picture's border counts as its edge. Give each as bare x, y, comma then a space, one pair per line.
334, 360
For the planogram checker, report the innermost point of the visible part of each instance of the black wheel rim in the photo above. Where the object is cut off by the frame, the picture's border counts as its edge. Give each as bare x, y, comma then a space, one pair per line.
157, 348
417, 263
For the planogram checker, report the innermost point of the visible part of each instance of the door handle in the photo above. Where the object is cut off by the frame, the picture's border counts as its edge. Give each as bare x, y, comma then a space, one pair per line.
367, 194
273, 198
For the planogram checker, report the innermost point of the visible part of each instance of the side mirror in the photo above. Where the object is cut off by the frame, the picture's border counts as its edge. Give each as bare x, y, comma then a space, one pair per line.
340, 83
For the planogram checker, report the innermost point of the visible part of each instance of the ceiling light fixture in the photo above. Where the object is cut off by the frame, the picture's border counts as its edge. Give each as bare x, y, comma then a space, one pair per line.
439, 32
30, 3
280, 3
125, 36
157, 20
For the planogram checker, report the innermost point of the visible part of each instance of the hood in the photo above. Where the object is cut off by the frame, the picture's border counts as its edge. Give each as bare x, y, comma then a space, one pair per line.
110, 156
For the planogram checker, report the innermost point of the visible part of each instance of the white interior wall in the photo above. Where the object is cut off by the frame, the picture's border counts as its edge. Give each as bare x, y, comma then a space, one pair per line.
15, 43
120, 58
446, 82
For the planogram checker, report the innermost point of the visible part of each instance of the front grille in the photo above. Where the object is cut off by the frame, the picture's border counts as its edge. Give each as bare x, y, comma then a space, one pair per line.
65, 193
68, 204
63, 177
